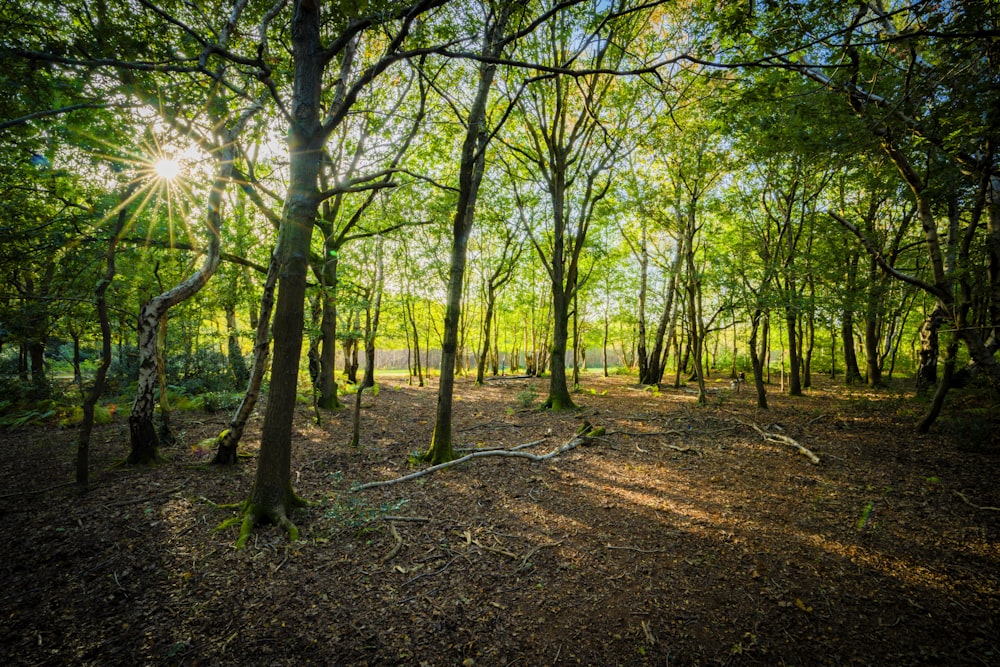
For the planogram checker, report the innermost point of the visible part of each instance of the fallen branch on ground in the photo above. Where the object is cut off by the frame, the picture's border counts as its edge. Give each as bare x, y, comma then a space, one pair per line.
396, 547
685, 449
784, 440
36, 491
972, 504
642, 551
531, 552
514, 452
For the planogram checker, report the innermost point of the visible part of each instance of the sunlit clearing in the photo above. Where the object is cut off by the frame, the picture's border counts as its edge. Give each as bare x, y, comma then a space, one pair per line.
167, 169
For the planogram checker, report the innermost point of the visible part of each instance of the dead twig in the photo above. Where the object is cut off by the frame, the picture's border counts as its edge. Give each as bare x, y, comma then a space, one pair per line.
684, 450
396, 547
429, 574
642, 551
532, 552
972, 504
646, 630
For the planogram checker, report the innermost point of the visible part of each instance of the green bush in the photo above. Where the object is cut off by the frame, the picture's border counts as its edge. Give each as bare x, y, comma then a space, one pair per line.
527, 397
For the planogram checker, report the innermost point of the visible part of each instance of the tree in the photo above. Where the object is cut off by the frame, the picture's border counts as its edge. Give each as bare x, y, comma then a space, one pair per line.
895, 67
565, 152
272, 496
496, 271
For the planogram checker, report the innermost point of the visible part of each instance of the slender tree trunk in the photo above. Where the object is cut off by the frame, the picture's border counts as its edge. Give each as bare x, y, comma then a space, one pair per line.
226, 454
576, 344
94, 394
852, 373
272, 497
604, 344
929, 349
410, 318
873, 361
756, 359
328, 399
794, 376
77, 374
237, 364
951, 352
371, 330
471, 169
695, 329
487, 325
645, 372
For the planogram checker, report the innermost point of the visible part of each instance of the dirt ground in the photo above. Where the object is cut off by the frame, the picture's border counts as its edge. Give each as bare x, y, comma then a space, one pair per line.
680, 537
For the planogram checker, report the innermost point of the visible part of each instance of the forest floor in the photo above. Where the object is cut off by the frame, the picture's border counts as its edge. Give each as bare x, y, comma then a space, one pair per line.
681, 536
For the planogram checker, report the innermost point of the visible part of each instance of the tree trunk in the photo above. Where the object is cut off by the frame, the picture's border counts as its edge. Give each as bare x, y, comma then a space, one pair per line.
559, 398
487, 326
873, 360
77, 374
272, 497
951, 352
756, 360
237, 364
604, 344
794, 376
411, 318
144, 446
576, 343
852, 373
328, 399
695, 329
472, 166
230, 438
371, 326
929, 349
94, 394
645, 370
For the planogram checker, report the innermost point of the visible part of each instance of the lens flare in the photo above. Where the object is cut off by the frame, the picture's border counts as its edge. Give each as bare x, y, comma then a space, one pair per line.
167, 169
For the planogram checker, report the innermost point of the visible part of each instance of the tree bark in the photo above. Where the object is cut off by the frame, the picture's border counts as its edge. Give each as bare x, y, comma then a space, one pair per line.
226, 453
372, 318
471, 169
237, 364
755, 359
144, 445
101, 303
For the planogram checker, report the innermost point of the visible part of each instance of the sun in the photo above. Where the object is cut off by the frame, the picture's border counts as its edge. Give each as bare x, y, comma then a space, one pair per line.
167, 169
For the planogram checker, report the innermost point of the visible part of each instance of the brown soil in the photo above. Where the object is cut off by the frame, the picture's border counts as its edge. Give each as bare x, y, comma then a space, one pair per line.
624, 551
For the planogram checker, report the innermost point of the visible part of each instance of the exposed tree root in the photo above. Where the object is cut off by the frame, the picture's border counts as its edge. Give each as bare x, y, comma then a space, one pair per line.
254, 514
513, 452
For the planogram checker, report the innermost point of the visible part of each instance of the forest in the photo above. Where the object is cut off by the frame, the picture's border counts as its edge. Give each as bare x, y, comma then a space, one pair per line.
481, 332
